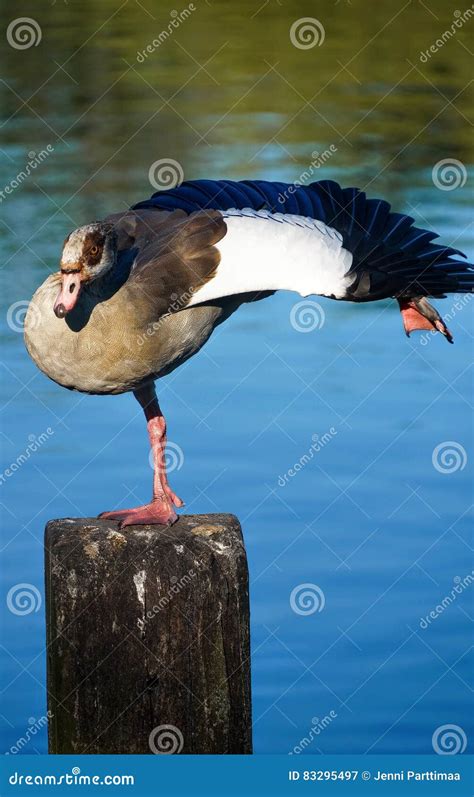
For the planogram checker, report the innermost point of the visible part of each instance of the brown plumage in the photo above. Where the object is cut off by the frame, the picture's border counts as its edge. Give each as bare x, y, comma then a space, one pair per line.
125, 328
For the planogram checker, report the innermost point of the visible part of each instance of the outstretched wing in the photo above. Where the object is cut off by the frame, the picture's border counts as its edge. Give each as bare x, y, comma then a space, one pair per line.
390, 257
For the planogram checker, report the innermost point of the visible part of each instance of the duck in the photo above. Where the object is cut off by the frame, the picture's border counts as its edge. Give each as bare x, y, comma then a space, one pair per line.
141, 291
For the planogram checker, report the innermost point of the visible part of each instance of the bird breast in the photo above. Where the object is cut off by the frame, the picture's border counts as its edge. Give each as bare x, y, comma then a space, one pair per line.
109, 346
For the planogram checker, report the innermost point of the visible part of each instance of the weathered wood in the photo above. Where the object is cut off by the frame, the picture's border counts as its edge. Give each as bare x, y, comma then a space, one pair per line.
148, 627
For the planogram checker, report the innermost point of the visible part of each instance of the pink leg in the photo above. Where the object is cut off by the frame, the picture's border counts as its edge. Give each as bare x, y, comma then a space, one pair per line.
161, 507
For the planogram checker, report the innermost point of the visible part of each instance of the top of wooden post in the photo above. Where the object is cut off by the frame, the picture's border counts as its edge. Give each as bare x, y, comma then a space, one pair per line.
99, 536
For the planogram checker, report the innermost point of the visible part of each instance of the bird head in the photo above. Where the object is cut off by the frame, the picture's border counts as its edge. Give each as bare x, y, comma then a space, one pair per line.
88, 253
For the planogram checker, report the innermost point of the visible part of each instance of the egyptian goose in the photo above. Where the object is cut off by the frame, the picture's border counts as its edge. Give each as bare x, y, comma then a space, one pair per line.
140, 292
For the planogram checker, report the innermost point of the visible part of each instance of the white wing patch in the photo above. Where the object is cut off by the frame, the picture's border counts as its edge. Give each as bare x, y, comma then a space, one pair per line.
275, 251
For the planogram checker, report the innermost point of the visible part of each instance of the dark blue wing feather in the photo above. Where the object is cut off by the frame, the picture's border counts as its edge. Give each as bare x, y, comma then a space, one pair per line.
400, 259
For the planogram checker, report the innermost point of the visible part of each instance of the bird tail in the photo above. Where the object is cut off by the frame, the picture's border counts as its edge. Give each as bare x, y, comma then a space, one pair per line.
392, 258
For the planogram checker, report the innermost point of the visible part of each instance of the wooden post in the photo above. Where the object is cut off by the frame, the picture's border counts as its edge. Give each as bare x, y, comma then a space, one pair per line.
148, 637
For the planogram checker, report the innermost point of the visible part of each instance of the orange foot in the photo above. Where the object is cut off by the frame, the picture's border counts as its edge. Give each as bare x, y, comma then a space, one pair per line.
160, 512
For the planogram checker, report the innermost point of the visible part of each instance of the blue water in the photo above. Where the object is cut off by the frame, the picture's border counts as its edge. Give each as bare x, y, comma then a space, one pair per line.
367, 519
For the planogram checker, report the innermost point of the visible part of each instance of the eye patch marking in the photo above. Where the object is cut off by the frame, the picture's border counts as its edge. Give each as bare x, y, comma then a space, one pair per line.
93, 247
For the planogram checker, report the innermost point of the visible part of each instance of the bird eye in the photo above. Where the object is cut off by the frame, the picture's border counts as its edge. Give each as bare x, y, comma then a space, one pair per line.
93, 250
